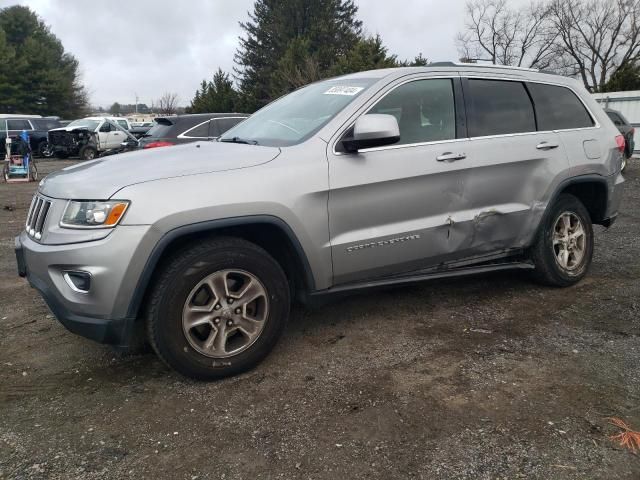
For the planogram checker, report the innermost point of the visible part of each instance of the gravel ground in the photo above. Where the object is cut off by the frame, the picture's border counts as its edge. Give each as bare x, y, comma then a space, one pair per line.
482, 378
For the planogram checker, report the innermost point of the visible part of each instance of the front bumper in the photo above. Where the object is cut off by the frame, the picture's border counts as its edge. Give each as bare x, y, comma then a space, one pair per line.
100, 314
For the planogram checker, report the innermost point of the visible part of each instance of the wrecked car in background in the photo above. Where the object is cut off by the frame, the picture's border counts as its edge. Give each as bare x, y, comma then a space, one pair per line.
89, 138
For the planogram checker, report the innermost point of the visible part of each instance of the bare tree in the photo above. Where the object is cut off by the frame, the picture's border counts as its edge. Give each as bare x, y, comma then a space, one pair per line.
167, 104
508, 36
600, 36
592, 39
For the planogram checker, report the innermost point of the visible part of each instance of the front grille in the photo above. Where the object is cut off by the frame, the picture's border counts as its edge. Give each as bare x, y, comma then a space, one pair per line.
37, 216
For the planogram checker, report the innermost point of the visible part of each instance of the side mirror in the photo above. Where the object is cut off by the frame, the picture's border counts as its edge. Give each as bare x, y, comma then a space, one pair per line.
373, 130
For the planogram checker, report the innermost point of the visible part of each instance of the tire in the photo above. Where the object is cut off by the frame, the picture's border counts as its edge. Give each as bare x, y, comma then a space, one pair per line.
43, 150
88, 153
553, 245
180, 296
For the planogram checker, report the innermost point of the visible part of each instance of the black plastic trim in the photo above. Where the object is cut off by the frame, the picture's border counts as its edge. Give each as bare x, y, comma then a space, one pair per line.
589, 178
211, 225
422, 276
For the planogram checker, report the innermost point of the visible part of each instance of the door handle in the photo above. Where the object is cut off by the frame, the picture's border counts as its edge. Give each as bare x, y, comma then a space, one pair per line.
451, 157
547, 146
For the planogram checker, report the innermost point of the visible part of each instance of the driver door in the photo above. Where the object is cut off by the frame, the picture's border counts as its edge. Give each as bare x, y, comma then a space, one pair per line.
110, 136
391, 208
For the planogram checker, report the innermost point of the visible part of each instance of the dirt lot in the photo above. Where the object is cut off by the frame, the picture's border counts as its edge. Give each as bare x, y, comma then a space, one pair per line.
486, 377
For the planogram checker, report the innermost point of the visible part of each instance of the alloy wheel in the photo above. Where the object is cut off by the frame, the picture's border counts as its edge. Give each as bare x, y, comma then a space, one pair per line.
569, 241
225, 313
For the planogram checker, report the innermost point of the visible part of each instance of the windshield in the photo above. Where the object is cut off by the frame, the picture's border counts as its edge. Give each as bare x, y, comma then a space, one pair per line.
295, 117
83, 122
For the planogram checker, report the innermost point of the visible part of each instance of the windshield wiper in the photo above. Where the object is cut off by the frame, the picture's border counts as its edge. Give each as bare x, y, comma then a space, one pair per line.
239, 140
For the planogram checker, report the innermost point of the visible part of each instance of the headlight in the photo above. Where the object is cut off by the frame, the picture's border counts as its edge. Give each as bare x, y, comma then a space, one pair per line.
93, 214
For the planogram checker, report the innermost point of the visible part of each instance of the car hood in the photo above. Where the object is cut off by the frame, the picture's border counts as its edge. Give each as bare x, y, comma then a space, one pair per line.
101, 178
68, 129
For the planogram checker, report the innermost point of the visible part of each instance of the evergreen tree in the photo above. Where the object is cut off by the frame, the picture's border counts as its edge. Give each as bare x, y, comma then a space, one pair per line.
216, 96
327, 28
626, 78
39, 76
367, 54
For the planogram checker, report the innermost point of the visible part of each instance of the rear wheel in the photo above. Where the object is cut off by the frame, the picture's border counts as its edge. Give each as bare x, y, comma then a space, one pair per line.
563, 249
218, 308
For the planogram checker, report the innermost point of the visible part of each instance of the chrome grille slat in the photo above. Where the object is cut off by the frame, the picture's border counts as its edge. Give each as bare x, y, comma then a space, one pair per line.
37, 216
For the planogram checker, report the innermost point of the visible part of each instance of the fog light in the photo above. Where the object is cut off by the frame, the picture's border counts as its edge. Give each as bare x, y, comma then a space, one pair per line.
78, 281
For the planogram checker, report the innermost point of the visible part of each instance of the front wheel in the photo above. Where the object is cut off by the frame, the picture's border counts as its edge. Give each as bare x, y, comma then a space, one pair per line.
217, 308
563, 249
88, 153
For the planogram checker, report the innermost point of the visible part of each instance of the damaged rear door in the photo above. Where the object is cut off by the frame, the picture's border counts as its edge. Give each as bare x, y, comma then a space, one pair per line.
391, 208
512, 165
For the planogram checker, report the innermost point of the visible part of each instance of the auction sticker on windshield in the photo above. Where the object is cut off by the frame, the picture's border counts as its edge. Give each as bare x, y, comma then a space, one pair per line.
343, 90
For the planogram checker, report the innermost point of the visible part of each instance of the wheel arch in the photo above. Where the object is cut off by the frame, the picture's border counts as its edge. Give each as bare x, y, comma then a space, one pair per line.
269, 232
592, 191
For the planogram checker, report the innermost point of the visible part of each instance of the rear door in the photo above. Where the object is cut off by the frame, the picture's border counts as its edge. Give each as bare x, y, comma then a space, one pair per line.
390, 208
560, 109
512, 166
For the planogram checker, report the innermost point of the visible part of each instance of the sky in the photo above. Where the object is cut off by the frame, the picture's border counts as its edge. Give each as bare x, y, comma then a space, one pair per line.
148, 47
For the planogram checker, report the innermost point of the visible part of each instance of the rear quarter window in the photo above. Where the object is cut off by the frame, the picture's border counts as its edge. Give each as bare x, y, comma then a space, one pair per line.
18, 125
499, 107
558, 108
221, 125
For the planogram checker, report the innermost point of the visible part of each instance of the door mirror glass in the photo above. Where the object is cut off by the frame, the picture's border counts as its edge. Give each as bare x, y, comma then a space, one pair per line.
372, 130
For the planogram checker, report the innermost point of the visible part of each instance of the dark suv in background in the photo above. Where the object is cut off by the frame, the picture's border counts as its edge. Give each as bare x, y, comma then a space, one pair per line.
36, 127
169, 131
626, 129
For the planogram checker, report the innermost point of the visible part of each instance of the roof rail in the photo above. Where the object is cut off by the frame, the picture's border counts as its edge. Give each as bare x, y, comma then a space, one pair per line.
480, 65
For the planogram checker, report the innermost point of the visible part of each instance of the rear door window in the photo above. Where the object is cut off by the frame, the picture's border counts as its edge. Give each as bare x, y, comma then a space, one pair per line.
18, 125
425, 110
558, 108
499, 107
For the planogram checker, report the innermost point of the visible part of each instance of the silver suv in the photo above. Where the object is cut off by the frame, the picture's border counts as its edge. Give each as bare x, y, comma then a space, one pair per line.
377, 178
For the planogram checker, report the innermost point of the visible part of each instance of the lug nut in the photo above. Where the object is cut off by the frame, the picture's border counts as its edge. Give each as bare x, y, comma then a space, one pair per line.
217, 307
238, 311
229, 301
216, 321
229, 323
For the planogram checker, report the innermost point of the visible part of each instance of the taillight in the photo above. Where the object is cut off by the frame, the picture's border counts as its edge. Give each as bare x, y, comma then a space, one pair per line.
158, 144
620, 142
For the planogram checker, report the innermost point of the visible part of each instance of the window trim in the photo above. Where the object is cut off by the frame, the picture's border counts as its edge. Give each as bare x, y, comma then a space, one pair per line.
460, 115
184, 135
